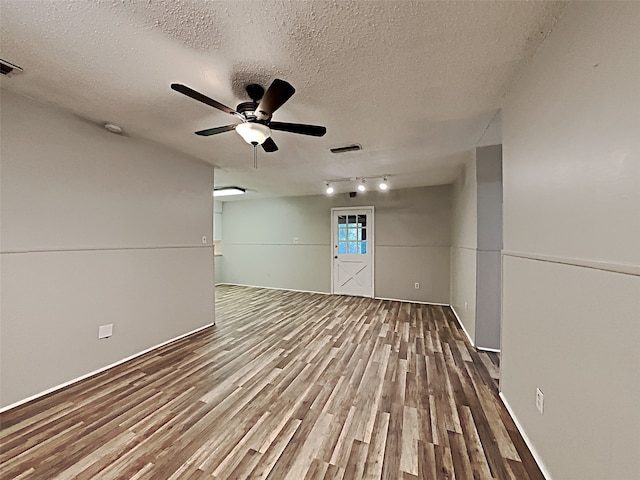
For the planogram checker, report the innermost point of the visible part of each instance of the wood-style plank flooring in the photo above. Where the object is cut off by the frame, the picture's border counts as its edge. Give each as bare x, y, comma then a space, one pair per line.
287, 385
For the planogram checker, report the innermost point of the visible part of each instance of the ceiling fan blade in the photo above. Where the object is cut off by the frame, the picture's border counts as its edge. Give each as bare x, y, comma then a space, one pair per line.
269, 145
216, 130
301, 128
276, 95
189, 92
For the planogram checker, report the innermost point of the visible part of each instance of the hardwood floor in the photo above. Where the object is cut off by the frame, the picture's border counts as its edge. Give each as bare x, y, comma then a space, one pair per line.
288, 385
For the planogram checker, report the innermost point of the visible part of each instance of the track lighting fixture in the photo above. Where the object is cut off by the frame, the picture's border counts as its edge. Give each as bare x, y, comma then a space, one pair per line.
361, 185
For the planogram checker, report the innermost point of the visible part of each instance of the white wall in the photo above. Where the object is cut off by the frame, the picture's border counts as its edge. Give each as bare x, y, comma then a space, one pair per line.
95, 229
412, 242
571, 298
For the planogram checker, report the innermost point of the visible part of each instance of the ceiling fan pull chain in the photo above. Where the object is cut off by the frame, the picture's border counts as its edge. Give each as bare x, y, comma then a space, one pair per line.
255, 156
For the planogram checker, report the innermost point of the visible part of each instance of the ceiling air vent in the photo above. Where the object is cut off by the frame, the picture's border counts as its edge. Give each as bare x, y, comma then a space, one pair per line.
347, 148
8, 69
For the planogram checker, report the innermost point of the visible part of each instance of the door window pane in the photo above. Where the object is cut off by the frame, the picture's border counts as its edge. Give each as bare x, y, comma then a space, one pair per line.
352, 234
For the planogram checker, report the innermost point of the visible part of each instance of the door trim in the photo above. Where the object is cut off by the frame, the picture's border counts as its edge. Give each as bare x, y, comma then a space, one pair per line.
372, 245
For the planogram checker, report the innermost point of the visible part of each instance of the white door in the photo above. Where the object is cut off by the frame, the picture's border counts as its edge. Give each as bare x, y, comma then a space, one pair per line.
352, 255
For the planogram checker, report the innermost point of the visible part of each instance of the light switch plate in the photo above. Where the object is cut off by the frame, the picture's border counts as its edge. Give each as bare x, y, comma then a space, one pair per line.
105, 331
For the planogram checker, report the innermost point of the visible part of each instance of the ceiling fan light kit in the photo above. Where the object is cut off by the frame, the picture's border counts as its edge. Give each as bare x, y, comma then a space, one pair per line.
254, 133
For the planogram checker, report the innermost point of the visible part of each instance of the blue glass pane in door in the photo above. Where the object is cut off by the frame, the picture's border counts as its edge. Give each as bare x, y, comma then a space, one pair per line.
353, 248
342, 233
353, 235
342, 248
363, 248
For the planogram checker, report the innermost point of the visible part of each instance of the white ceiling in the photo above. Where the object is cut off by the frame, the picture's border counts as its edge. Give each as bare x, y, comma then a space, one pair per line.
417, 84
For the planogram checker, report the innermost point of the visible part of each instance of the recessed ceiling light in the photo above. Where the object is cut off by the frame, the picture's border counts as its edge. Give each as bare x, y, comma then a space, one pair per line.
226, 191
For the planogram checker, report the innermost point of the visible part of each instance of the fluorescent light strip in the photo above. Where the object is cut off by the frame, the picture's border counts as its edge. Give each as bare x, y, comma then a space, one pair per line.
227, 191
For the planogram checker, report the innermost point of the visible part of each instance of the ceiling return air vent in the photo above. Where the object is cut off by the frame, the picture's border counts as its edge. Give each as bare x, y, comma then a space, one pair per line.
346, 148
8, 69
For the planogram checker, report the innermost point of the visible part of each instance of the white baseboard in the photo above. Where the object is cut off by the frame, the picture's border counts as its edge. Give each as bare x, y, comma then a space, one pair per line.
462, 326
533, 451
328, 293
486, 349
271, 288
413, 301
100, 370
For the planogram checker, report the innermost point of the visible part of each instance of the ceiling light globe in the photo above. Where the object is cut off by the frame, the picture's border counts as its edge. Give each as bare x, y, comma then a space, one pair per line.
253, 133
330, 190
361, 187
383, 186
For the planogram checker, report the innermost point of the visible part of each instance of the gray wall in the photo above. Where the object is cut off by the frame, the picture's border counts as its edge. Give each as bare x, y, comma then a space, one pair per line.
476, 246
464, 243
95, 229
489, 265
571, 298
412, 242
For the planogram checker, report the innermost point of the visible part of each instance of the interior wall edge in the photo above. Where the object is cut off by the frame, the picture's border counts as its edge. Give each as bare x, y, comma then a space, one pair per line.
100, 370
532, 449
462, 325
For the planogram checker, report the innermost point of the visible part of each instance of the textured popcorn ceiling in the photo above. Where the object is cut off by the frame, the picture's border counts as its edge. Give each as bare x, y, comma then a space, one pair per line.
417, 84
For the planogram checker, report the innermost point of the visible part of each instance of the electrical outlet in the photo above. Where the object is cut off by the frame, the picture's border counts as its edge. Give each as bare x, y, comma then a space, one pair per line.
204, 239
417, 285
539, 400
105, 331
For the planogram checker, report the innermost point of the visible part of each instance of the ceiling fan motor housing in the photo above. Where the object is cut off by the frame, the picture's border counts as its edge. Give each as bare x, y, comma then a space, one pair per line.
248, 109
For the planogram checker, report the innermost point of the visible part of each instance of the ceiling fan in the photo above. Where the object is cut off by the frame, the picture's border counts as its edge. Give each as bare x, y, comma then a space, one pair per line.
255, 115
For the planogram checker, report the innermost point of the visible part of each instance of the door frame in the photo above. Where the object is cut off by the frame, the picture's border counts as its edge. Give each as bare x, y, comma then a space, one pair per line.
370, 242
